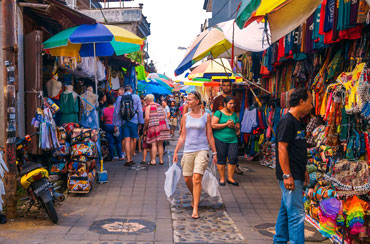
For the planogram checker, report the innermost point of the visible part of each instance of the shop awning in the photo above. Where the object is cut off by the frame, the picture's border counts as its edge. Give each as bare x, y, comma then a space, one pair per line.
55, 16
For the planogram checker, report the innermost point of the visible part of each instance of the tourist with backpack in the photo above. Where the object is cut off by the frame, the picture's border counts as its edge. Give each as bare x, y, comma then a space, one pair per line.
128, 113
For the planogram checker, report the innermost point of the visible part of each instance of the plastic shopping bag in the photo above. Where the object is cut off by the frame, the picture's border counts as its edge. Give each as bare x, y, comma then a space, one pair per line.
209, 182
173, 175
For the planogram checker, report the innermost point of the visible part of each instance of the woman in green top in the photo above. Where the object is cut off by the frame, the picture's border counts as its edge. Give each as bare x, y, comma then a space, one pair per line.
226, 127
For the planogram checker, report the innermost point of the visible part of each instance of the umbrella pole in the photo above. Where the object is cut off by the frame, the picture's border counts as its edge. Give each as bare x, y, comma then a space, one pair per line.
95, 70
249, 82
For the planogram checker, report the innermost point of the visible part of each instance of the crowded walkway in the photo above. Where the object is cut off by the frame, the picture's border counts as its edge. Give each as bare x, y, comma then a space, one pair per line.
244, 214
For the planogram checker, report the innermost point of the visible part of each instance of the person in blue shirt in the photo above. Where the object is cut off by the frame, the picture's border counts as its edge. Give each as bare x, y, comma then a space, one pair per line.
130, 128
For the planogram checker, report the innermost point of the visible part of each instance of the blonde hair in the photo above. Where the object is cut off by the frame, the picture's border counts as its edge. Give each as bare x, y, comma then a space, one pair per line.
149, 97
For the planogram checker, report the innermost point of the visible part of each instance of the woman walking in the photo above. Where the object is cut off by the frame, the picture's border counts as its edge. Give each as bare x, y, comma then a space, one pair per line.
226, 127
112, 132
155, 128
196, 134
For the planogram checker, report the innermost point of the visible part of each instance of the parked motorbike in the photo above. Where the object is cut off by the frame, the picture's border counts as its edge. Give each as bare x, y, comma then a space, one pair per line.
34, 179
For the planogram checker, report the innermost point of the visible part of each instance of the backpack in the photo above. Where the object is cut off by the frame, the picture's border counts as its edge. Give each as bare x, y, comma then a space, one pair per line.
127, 107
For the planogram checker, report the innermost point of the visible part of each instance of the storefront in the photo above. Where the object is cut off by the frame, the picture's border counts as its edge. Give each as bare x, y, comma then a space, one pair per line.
329, 54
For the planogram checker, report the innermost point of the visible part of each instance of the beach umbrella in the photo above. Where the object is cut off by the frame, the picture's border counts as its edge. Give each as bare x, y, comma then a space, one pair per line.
283, 16
158, 76
217, 42
219, 67
162, 78
92, 41
150, 87
161, 83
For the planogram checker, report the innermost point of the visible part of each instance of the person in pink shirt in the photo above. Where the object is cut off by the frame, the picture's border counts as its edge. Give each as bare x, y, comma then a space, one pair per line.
112, 131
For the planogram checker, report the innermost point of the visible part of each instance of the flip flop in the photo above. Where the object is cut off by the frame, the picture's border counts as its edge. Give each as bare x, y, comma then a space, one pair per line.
149, 163
161, 163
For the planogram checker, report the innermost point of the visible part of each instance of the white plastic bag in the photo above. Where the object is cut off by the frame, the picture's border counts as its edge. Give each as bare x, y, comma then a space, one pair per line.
209, 182
173, 175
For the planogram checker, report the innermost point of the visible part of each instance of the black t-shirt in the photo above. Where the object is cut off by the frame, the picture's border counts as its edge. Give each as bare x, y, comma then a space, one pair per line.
292, 131
173, 112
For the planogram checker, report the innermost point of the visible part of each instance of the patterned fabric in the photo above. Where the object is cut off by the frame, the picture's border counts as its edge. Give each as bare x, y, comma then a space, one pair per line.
157, 127
87, 148
78, 183
312, 125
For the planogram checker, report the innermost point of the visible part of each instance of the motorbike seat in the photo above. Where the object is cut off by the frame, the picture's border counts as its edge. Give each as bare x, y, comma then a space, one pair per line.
29, 167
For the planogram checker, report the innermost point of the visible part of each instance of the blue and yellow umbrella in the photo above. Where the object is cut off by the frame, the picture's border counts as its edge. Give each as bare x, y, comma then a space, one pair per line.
93, 40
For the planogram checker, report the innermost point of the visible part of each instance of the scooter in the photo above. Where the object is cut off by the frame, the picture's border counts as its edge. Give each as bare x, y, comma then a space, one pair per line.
34, 178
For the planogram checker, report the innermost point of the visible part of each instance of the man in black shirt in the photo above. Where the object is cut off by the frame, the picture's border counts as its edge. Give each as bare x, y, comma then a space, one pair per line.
291, 168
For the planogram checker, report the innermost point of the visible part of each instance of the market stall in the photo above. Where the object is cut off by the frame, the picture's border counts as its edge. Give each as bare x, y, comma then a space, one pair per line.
326, 49
68, 120
329, 54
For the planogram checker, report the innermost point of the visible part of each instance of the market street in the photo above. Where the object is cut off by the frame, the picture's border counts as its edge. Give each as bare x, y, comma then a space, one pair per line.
246, 214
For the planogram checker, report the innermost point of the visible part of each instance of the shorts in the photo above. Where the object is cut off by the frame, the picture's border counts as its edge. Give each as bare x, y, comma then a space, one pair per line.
226, 151
194, 162
130, 130
173, 122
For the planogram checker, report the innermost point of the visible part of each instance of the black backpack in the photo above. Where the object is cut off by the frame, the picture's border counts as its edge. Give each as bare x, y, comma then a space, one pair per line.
127, 107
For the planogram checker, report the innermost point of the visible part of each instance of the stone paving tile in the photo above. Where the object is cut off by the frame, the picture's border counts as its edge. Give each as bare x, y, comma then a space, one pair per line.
214, 225
138, 194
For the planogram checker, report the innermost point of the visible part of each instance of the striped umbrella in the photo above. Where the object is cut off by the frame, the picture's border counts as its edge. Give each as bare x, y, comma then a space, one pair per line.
217, 69
93, 40
162, 83
217, 42
162, 78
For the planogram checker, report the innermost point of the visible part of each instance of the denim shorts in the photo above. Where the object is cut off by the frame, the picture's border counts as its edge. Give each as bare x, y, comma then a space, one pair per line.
130, 130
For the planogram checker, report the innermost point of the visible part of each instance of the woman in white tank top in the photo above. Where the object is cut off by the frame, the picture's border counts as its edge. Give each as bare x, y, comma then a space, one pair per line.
196, 134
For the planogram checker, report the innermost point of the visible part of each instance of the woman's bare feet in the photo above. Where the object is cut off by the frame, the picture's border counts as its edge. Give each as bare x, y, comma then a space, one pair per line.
195, 215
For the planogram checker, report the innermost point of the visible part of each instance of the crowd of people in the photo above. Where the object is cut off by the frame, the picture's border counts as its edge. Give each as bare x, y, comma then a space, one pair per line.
145, 124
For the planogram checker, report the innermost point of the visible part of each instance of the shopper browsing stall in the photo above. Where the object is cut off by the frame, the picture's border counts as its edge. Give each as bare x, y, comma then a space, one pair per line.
291, 168
112, 131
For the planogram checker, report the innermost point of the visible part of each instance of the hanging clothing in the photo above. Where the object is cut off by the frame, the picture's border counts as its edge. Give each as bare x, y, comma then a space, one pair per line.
115, 83
68, 108
249, 121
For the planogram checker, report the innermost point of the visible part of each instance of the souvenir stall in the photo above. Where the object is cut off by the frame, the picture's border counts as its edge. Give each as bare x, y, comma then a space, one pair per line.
329, 54
68, 120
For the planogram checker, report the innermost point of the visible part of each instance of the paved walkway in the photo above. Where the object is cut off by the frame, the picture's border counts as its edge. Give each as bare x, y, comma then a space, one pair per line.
132, 208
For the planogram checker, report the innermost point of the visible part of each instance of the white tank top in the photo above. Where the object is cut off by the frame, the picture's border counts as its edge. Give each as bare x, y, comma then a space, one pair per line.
196, 133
